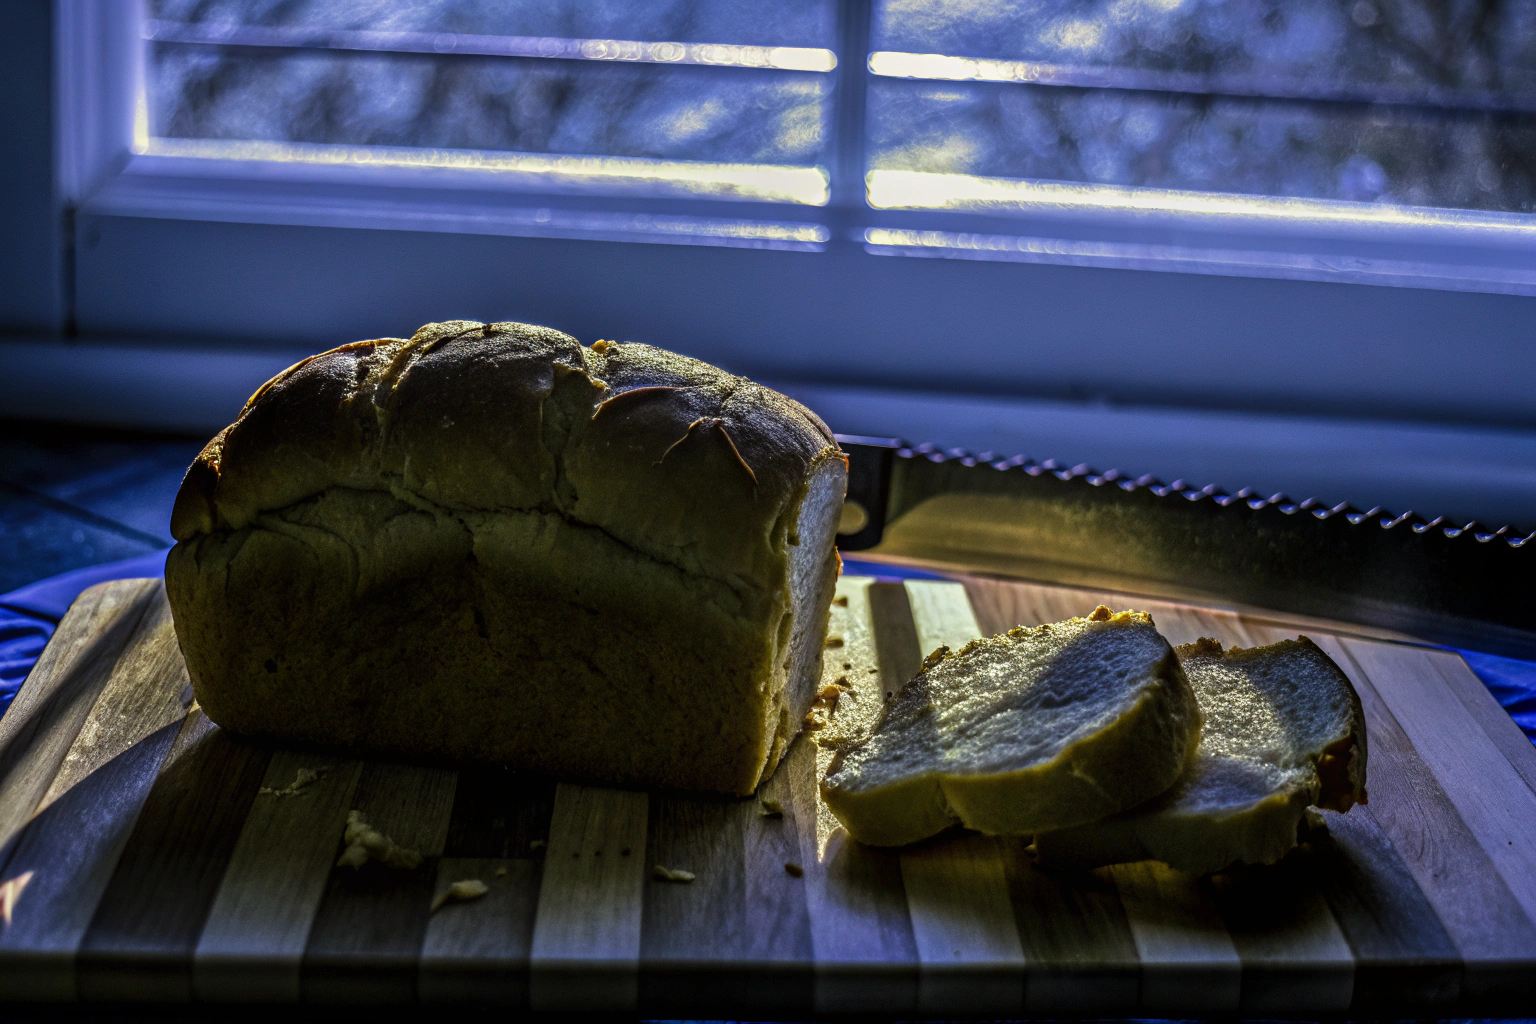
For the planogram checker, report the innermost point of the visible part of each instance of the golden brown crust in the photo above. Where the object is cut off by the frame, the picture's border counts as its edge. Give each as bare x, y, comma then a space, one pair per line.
193, 512
673, 456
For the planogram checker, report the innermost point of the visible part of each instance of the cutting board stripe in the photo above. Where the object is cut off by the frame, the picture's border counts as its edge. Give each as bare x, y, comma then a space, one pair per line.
1428, 833
147, 690
499, 814
1295, 957
1187, 956
957, 891
586, 935
52, 705
252, 944
1492, 799
65, 855
741, 926
861, 931
1404, 956
365, 943
778, 947
1495, 722
477, 952
140, 941
63, 863
1076, 937
703, 921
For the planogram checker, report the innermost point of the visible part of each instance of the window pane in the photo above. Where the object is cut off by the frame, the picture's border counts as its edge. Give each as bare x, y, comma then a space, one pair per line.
708, 82
1413, 155
1363, 49
744, 22
542, 106
1415, 102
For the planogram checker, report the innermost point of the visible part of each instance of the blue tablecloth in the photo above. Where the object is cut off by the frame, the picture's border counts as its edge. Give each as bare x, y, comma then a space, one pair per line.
29, 615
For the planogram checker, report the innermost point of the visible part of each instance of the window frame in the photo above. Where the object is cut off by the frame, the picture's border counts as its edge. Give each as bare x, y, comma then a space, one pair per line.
1072, 224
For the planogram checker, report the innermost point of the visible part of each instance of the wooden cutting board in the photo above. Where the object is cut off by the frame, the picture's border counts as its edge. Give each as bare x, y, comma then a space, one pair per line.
147, 855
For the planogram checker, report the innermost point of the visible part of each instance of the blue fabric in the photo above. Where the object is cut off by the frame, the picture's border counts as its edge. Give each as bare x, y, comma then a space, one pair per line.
28, 617
22, 638
29, 614
855, 566
1512, 683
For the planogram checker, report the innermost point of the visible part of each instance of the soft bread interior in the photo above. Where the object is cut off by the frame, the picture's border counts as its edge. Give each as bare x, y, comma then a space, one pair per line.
813, 571
1021, 732
1275, 716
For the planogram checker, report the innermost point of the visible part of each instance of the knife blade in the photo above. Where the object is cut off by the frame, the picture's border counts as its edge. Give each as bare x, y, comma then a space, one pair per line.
1458, 584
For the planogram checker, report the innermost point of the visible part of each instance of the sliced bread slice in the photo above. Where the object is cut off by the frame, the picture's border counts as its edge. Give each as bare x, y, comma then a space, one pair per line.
1030, 730
1284, 730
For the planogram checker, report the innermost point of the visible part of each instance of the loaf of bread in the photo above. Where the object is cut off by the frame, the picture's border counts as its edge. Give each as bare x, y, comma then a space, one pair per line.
490, 543
1284, 730
1031, 730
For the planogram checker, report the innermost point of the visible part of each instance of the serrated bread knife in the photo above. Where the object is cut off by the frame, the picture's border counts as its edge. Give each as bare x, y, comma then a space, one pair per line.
1457, 584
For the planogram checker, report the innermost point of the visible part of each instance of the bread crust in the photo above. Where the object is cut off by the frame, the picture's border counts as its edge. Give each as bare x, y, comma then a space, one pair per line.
489, 542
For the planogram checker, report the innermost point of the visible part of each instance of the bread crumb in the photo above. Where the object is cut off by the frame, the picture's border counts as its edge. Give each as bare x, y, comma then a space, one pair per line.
1205, 647
461, 892
771, 808
672, 874
302, 780
824, 704
793, 870
841, 602
365, 843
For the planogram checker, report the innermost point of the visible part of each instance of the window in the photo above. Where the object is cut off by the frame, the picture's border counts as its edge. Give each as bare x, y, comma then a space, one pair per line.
1414, 103
727, 100
248, 174
1363, 124
1150, 134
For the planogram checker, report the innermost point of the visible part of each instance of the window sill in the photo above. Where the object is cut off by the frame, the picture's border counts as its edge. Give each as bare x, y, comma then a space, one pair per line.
993, 220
